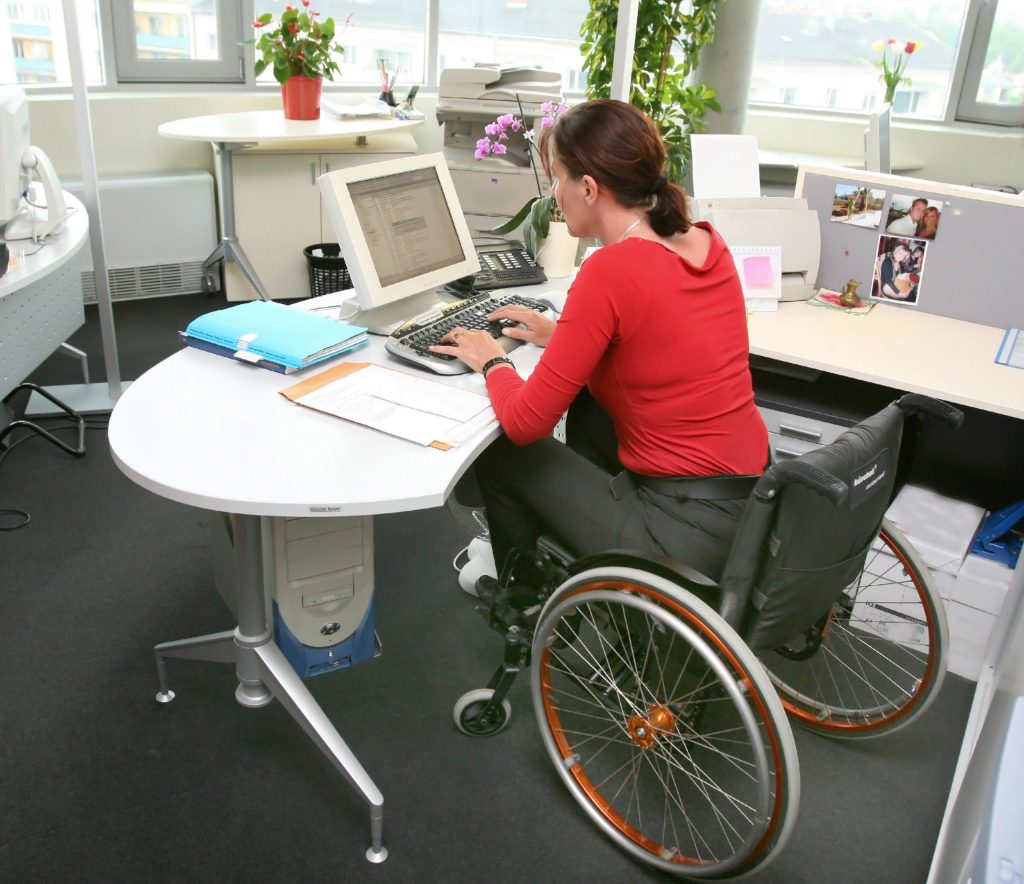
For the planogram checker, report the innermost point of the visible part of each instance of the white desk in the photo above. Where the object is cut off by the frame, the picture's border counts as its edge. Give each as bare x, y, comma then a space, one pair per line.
895, 347
231, 132
207, 431
41, 301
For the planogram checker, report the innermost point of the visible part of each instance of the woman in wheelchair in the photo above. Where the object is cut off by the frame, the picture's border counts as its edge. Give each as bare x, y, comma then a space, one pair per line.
651, 354
674, 599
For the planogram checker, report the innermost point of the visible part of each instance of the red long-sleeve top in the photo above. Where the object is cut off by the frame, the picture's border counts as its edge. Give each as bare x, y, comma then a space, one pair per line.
662, 345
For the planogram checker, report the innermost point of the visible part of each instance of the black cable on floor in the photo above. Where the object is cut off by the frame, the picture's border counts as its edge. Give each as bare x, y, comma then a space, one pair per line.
25, 517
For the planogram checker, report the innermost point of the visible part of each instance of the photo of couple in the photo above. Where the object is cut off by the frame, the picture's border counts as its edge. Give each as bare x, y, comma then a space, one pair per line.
899, 269
911, 216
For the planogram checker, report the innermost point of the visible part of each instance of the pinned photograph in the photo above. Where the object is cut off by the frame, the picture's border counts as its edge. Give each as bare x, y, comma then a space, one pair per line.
899, 270
858, 205
913, 216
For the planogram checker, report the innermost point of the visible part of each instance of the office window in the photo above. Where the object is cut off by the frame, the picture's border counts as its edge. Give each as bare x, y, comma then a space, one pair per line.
529, 32
33, 43
177, 41
393, 30
993, 90
820, 55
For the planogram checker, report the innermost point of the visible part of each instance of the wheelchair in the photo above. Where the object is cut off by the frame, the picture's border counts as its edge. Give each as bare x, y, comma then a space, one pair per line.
664, 699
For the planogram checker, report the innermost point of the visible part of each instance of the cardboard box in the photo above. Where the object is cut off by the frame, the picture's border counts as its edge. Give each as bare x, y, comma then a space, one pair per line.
941, 529
983, 584
965, 658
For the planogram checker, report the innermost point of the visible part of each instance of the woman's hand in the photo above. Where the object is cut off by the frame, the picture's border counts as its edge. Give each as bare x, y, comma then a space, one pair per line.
475, 348
538, 330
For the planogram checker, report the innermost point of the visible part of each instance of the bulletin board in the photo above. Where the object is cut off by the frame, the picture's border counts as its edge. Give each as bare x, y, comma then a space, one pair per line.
936, 248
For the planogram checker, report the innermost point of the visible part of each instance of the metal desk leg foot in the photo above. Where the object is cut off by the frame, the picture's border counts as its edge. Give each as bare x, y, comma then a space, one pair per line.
278, 675
376, 852
218, 647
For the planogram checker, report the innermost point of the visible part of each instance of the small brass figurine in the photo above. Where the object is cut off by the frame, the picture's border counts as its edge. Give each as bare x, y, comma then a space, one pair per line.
849, 297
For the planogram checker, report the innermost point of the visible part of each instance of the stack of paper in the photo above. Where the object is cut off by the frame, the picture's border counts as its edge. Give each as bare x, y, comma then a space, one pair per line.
400, 404
760, 270
271, 335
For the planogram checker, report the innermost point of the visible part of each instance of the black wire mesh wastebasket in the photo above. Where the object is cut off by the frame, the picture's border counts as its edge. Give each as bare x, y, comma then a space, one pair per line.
327, 270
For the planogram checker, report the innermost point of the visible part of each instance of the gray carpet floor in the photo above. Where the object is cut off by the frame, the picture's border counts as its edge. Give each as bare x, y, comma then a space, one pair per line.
101, 783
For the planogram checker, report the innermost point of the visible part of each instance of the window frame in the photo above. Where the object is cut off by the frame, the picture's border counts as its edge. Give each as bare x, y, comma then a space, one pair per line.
128, 68
968, 108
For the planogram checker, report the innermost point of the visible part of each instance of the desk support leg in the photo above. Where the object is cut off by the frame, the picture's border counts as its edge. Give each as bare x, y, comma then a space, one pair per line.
286, 685
228, 248
263, 671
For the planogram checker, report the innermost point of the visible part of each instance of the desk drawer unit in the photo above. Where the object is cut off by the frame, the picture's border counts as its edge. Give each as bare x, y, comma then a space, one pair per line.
791, 435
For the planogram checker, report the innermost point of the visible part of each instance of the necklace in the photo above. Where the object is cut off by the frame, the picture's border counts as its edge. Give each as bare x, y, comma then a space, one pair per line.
631, 226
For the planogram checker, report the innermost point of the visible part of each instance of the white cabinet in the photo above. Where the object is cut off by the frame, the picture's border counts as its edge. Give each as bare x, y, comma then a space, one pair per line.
278, 211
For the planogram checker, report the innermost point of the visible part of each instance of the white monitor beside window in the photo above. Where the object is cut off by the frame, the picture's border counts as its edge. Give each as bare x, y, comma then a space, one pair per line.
402, 234
25, 213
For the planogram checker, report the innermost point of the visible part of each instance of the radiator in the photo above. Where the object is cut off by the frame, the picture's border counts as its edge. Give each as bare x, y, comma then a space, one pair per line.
157, 231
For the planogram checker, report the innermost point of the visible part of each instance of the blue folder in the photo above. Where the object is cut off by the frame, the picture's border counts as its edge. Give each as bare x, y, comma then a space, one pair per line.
277, 333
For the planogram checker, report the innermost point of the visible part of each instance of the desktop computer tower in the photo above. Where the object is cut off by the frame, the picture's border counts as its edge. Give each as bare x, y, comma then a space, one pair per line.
320, 573
321, 578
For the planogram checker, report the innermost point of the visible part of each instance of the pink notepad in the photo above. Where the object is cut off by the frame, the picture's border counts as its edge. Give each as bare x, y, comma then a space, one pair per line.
757, 270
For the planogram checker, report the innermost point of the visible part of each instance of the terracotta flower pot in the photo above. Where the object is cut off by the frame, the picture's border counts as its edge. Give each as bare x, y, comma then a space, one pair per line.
301, 97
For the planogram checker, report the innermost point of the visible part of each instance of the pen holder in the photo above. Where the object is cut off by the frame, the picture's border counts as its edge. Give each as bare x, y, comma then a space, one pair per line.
388, 98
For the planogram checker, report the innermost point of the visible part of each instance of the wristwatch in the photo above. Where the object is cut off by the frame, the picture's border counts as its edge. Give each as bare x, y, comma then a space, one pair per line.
497, 360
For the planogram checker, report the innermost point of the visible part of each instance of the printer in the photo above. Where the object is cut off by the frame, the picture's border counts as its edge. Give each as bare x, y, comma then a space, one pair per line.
493, 189
770, 221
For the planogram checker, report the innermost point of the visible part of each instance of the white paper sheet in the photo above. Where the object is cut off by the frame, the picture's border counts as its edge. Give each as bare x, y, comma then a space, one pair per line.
725, 166
403, 405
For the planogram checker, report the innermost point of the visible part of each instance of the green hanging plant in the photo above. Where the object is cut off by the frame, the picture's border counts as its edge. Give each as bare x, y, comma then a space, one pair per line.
666, 53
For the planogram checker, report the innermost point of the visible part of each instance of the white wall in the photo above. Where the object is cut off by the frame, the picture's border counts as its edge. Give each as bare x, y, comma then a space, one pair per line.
126, 138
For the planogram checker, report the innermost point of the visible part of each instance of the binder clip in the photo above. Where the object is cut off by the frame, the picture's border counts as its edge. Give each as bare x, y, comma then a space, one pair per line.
997, 539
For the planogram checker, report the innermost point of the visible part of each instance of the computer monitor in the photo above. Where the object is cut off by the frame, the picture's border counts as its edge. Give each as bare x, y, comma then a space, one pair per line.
40, 214
402, 234
14, 141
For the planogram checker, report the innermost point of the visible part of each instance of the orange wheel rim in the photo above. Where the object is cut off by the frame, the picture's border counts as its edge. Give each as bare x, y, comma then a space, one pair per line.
580, 776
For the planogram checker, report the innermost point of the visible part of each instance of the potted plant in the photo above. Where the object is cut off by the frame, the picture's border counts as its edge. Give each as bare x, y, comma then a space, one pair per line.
545, 232
669, 39
300, 49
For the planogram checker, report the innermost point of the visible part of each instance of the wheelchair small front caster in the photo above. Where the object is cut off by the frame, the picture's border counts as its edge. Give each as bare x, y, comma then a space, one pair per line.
473, 718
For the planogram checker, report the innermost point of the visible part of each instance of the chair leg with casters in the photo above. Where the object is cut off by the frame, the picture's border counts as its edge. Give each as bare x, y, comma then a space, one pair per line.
878, 658
74, 450
663, 724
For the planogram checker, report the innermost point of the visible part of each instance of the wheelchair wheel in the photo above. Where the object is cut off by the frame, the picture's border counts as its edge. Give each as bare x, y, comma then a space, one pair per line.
663, 724
470, 718
883, 649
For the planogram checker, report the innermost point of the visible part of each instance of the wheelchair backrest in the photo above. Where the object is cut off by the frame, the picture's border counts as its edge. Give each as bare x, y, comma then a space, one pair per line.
803, 550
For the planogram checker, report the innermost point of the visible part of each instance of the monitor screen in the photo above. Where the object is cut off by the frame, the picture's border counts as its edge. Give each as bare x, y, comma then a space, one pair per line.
400, 228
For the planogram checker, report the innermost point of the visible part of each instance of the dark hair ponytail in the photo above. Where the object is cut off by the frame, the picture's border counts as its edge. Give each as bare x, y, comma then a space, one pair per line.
620, 148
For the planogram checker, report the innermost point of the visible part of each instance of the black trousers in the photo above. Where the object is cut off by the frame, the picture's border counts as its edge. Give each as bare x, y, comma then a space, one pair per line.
565, 492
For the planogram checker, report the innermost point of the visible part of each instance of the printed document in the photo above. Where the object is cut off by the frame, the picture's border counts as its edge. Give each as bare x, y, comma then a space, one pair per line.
421, 410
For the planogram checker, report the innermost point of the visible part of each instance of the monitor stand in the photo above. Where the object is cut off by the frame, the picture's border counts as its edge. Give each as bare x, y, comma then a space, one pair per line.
385, 319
